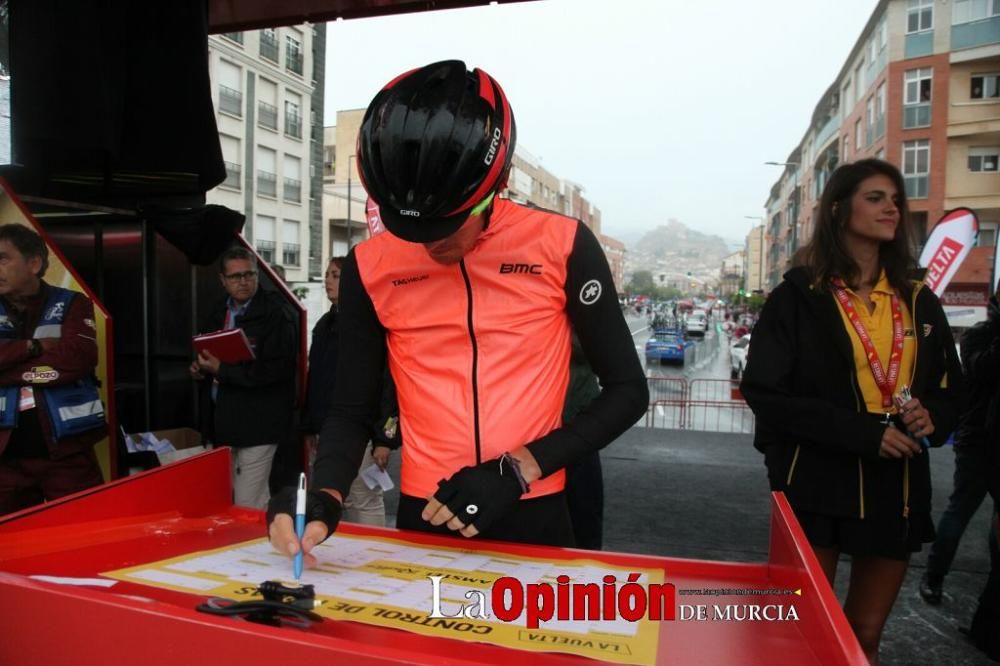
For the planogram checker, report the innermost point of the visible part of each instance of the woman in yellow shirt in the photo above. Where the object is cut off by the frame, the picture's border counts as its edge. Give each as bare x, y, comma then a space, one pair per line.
838, 345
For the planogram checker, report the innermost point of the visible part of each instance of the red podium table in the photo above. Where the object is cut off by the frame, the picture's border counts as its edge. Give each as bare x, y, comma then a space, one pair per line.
187, 507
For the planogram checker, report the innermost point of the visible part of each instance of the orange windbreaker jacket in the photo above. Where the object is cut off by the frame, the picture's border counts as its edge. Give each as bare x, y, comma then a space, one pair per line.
479, 351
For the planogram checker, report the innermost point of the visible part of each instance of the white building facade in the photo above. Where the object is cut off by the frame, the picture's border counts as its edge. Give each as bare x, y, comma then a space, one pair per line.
263, 92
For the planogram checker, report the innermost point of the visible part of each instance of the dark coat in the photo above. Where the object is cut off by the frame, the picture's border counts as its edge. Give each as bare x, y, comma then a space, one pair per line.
322, 374
255, 398
821, 446
981, 420
322, 369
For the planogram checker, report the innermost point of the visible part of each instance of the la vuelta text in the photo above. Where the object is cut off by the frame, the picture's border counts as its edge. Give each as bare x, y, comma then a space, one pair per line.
541, 602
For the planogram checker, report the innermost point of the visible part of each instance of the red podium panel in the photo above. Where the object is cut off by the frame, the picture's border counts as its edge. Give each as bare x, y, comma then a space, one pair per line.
186, 507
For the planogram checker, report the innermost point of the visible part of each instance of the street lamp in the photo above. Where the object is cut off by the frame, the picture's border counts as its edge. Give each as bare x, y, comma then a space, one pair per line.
350, 230
785, 164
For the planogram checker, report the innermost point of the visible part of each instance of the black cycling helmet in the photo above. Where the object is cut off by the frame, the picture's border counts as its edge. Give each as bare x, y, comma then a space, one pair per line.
434, 144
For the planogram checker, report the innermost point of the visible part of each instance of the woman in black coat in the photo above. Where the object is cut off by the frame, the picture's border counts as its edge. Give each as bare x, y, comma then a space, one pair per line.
837, 344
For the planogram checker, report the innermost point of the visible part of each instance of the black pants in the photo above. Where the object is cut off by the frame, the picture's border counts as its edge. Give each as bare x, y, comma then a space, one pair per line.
969, 491
985, 630
585, 496
542, 521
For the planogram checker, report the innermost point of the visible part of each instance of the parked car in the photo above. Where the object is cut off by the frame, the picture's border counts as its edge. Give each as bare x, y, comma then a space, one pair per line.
666, 347
697, 323
738, 350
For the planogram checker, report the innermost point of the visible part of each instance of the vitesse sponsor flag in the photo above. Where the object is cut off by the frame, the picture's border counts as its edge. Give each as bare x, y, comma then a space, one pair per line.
947, 247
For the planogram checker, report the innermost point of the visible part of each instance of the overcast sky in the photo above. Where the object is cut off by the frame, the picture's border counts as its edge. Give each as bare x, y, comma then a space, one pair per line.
659, 108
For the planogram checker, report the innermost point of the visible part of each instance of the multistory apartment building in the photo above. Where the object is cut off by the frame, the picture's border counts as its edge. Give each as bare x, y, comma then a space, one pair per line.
614, 250
266, 98
344, 198
919, 89
753, 261
731, 274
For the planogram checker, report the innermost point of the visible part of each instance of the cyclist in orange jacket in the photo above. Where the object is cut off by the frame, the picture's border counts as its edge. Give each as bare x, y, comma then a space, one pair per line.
469, 300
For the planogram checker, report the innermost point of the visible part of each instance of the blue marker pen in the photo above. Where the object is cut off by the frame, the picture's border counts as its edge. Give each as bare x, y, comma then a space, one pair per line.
300, 523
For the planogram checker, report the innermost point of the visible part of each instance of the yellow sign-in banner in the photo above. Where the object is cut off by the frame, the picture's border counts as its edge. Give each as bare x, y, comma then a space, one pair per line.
569, 606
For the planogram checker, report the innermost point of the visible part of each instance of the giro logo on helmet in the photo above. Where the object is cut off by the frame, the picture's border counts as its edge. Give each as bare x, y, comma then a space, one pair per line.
492, 152
410, 213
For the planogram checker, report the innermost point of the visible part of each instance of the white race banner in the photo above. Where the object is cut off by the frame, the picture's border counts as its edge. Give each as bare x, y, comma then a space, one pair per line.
947, 247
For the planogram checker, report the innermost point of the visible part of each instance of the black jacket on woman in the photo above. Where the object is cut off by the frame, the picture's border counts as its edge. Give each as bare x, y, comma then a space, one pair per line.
980, 427
319, 388
821, 446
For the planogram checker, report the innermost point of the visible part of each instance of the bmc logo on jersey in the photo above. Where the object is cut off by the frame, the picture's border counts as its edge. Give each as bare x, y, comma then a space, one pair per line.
530, 269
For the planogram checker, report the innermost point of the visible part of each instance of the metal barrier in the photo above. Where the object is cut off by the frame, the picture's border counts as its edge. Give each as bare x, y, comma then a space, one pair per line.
666, 414
721, 416
713, 389
714, 405
667, 388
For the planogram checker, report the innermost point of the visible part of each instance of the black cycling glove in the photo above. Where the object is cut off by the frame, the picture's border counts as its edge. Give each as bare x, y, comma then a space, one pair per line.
480, 495
320, 506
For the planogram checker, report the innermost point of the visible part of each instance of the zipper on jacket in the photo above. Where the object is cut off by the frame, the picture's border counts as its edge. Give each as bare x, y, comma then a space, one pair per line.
916, 337
861, 489
906, 488
861, 472
475, 362
791, 469
913, 374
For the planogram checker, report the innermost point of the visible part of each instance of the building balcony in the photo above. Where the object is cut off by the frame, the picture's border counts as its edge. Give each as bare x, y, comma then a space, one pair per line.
231, 101
975, 33
917, 44
290, 254
828, 131
293, 190
293, 125
269, 46
267, 184
265, 249
267, 115
234, 37
917, 115
234, 173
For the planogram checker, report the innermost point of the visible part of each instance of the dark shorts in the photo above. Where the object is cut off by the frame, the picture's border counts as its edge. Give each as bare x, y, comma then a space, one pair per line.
893, 538
542, 521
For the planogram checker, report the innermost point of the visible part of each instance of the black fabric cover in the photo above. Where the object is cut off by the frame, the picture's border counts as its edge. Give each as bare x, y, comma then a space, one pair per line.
201, 233
113, 97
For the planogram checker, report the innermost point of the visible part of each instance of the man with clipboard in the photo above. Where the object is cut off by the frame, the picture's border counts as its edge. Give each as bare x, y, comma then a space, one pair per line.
250, 401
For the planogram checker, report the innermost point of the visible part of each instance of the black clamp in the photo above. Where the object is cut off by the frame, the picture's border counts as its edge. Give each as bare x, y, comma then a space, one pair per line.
288, 605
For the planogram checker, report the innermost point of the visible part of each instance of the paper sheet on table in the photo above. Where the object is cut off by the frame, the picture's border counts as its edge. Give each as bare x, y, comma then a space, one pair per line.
385, 582
373, 476
65, 580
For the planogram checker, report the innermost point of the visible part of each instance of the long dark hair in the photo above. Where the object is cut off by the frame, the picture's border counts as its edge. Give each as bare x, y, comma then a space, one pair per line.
826, 256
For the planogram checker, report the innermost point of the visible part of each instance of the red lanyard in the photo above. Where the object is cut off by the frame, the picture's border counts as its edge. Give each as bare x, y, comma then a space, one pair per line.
886, 384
